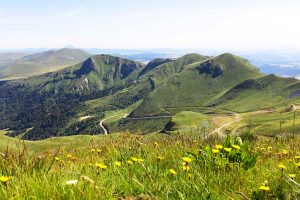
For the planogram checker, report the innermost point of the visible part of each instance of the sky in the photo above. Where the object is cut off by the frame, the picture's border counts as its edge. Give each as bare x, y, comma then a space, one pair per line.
149, 24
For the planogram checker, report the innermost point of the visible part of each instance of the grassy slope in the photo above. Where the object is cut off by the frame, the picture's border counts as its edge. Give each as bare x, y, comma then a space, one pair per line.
268, 122
210, 176
190, 88
264, 92
35, 64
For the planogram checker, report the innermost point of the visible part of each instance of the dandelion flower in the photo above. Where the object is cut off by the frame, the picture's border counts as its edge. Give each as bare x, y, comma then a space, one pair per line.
264, 188
4, 179
298, 165
134, 159
93, 150
228, 149
236, 146
281, 166
292, 175
101, 166
186, 168
215, 150
118, 164
172, 171
129, 162
187, 159
71, 182
219, 146
56, 158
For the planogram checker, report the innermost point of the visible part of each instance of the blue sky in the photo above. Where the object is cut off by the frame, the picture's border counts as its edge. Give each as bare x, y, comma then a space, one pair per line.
213, 24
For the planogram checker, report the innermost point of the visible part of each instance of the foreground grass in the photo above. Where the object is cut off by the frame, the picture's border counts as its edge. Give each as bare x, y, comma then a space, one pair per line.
127, 166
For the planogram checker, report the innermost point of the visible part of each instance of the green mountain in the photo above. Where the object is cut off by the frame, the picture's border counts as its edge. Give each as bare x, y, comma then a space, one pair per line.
74, 100
265, 92
35, 64
196, 83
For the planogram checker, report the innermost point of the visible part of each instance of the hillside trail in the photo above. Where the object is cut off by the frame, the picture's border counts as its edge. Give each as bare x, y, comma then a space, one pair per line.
126, 116
101, 122
218, 130
149, 117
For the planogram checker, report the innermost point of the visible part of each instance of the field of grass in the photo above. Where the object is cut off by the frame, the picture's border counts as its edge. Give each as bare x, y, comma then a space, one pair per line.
272, 123
155, 166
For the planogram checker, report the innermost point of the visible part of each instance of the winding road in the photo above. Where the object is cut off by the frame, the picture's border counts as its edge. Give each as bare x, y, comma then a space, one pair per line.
148, 117
218, 130
132, 118
101, 122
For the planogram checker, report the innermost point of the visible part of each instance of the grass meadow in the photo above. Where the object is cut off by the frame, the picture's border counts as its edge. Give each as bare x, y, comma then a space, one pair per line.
154, 166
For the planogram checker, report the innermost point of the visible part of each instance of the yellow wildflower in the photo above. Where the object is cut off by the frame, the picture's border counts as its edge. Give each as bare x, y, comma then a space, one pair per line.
129, 162
56, 158
281, 166
264, 188
215, 150
190, 175
118, 164
134, 159
228, 149
292, 175
101, 166
219, 146
186, 168
93, 150
172, 171
155, 143
298, 165
140, 160
4, 179
187, 159
99, 150
236, 146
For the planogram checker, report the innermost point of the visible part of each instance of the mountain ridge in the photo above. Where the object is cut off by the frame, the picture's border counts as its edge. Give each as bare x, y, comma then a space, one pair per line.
40, 63
163, 87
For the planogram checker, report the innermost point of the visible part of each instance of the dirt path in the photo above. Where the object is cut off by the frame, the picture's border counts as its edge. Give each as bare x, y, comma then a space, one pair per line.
154, 117
218, 130
101, 122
